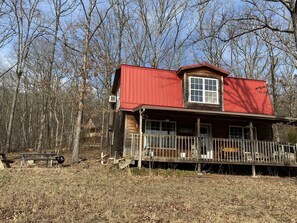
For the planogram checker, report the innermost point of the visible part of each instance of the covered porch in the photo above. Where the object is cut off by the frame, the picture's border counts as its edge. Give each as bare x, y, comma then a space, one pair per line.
203, 136
191, 149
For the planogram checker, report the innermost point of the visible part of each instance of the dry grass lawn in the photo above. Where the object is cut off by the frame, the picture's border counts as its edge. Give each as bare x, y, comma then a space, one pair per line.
90, 192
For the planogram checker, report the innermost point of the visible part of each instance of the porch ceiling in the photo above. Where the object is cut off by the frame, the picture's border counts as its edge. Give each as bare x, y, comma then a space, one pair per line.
218, 114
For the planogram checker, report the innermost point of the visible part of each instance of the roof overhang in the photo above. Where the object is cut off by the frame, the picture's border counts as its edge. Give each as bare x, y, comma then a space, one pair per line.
183, 69
270, 118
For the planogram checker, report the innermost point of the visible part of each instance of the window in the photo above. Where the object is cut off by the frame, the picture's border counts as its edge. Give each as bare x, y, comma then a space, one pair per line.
238, 132
203, 90
160, 127
160, 134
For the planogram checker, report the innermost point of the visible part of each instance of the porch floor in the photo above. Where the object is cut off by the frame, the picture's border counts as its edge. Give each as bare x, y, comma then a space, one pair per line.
205, 161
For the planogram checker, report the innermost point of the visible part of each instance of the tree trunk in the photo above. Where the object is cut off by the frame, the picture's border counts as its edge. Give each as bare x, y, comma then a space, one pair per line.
79, 118
70, 136
24, 130
62, 126
83, 82
42, 127
12, 113
57, 129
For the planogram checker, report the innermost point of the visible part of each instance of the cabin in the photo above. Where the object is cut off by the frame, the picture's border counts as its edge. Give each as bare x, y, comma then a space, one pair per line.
196, 114
95, 132
91, 130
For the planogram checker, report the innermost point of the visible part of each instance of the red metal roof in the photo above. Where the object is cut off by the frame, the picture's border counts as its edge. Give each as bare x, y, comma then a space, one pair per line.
247, 96
156, 87
147, 86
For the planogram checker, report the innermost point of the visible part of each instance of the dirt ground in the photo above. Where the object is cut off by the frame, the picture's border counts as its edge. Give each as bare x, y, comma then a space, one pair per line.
91, 192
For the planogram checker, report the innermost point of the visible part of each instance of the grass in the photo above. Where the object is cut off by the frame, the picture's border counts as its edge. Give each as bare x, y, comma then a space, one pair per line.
90, 192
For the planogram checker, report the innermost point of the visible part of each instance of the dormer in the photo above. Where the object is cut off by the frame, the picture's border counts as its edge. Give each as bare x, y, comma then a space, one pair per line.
203, 86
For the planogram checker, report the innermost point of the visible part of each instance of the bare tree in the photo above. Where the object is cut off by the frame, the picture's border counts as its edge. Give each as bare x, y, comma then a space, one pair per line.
275, 22
276, 17
89, 11
6, 30
248, 57
27, 23
206, 44
61, 8
258, 34
162, 28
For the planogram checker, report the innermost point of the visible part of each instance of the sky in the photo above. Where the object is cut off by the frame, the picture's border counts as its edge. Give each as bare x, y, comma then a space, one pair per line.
7, 53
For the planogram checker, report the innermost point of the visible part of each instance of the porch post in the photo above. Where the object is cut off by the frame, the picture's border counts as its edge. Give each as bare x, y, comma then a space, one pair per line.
251, 131
198, 127
253, 171
140, 139
253, 149
198, 146
276, 133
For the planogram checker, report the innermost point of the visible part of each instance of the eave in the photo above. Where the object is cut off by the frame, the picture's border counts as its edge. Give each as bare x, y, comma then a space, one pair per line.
274, 119
183, 69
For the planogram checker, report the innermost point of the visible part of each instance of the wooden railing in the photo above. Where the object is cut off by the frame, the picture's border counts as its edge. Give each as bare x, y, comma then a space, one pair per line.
216, 150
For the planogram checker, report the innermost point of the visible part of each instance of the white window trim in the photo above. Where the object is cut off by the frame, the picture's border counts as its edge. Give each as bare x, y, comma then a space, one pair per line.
242, 129
203, 90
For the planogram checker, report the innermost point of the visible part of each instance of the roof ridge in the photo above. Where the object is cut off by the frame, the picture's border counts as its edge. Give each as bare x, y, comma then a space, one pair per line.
203, 64
143, 67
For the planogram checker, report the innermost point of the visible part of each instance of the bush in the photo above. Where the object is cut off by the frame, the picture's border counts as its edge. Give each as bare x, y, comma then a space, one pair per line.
292, 136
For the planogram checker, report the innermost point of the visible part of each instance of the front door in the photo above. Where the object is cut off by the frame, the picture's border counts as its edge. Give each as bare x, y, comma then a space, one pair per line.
206, 147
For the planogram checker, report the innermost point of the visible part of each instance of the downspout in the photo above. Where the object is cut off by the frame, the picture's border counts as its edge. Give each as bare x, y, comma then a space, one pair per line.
141, 111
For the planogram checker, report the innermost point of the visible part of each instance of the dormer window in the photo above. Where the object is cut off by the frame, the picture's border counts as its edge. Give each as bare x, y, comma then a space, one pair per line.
203, 90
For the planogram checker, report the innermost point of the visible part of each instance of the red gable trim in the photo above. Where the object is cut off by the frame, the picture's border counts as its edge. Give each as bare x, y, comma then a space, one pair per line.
204, 64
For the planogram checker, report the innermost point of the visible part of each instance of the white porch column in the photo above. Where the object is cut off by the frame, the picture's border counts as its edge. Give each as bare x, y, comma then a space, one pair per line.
140, 138
251, 127
276, 133
198, 146
198, 127
254, 171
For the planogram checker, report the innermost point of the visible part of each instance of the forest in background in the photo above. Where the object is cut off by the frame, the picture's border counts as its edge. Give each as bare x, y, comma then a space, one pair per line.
58, 57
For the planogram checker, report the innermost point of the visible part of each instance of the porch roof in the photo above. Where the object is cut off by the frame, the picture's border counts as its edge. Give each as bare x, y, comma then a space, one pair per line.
274, 119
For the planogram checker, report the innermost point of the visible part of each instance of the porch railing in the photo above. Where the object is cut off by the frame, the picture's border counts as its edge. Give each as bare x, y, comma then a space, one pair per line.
216, 150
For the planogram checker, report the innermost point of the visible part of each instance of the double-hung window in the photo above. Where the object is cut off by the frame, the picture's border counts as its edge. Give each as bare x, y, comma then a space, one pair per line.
238, 132
160, 134
203, 90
